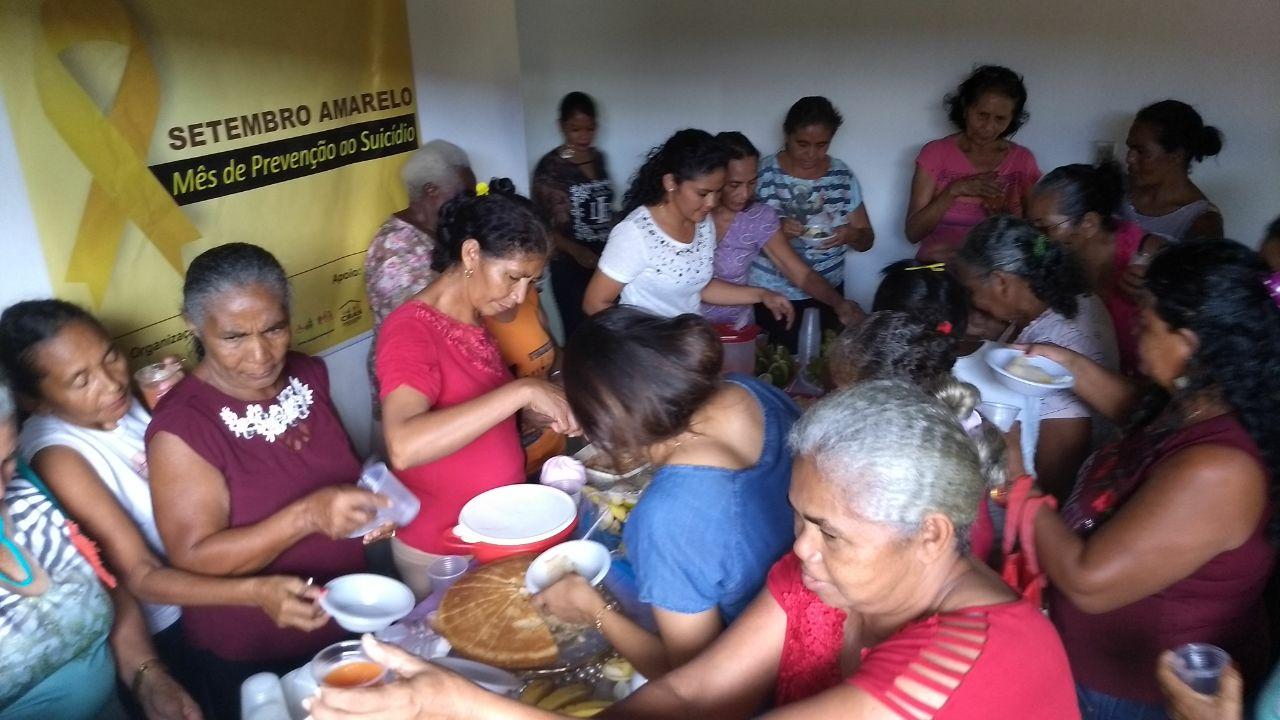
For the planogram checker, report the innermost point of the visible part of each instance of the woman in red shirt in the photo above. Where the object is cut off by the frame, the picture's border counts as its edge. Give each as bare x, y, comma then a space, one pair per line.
448, 400
878, 613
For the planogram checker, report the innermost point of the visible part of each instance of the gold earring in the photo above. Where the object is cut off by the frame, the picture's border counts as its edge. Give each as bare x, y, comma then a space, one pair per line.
467, 273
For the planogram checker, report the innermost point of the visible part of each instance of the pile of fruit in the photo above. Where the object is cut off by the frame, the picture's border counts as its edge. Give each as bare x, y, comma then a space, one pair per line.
616, 505
816, 373
573, 699
775, 365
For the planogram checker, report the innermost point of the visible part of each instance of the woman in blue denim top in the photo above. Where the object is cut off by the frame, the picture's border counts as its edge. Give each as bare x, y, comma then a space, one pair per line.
715, 517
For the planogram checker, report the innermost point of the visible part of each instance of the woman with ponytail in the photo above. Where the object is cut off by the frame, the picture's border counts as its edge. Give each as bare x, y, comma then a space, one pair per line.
1169, 535
661, 256
1017, 275
1164, 140
1079, 207
448, 399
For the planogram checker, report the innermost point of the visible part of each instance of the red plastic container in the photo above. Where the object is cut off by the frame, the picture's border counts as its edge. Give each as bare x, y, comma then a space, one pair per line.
739, 348
513, 520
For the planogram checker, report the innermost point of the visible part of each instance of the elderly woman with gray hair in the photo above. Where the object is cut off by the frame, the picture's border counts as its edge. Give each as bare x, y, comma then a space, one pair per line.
68, 630
251, 471
878, 613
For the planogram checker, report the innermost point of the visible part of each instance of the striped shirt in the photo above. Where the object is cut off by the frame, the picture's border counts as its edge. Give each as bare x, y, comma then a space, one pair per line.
828, 200
69, 621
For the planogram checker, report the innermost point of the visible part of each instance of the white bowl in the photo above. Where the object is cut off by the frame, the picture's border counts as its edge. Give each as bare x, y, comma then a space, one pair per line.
490, 678
365, 602
817, 239
999, 358
587, 558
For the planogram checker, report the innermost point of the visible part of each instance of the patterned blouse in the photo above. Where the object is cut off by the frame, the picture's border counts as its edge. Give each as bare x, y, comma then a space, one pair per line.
833, 198
573, 204
396, 267
68, 623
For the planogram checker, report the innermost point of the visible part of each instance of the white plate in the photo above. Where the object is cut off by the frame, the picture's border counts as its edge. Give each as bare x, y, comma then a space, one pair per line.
486, 676
587, 558
515, 515
998, 358
365, 602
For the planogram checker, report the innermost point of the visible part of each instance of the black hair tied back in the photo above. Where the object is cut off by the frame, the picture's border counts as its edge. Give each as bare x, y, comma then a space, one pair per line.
504, 223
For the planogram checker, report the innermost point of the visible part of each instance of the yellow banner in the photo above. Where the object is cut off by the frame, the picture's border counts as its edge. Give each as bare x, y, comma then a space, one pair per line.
149, 131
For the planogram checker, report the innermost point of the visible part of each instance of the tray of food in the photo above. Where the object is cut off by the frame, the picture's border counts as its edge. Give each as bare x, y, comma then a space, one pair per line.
488, 617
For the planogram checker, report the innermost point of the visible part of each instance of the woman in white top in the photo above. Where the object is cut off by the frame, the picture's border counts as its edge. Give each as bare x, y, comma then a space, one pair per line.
1166, 138
660, 256
1016, 274
85, 438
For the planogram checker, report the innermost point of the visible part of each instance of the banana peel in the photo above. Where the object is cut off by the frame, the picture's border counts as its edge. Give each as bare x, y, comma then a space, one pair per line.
536, 691
589, 708
564, 696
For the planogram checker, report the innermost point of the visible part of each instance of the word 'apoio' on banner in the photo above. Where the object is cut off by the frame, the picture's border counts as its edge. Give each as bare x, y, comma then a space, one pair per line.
232, 171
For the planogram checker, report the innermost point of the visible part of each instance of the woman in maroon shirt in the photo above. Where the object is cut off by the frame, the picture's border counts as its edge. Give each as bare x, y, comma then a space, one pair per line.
251, 470
1164, 539
878, 613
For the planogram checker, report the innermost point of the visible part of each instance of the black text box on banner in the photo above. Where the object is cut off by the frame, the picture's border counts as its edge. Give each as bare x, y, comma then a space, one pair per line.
211, 176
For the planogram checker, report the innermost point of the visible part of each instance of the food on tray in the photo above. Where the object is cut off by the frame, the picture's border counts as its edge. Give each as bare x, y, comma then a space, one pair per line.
487, 617
1022, 368
573, 699
602, 463
617, 669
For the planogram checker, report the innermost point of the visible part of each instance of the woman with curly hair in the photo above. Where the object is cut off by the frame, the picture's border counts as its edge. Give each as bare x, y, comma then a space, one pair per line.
661, 256
449, 402
976, 172
1165, 539
1019, 276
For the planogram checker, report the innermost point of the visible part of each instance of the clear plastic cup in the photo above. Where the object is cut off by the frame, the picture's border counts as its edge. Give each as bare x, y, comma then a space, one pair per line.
999, 414
404, 507
1200, 666
156, 379
346, 665
262, 698
445, 571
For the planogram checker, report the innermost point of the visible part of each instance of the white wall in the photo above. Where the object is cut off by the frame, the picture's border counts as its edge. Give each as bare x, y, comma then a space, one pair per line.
658, 65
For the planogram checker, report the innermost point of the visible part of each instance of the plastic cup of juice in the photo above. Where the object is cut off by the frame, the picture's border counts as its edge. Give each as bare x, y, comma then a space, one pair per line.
346, 665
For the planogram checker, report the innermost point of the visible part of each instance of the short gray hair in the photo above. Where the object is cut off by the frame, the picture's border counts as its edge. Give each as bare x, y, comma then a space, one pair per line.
437, 163
897, 454
229, 267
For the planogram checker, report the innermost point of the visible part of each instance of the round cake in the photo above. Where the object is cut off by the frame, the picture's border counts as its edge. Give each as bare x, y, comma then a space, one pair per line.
487, 617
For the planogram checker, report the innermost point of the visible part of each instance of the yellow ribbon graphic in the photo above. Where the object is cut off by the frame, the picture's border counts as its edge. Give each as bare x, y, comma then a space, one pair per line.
112, 147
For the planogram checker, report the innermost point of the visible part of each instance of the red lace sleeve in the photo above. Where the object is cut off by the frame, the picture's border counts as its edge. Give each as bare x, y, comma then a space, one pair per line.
407, 355
810, 661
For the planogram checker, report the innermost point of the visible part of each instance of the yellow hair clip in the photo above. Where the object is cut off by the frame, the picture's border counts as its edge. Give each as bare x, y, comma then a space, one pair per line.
482, 189
936, 267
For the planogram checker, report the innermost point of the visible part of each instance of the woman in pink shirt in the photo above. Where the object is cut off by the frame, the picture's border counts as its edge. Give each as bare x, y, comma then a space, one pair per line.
448, 400
968, 176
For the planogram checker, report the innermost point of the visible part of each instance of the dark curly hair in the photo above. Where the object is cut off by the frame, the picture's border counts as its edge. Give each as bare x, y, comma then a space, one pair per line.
985, 79
577, 103
23, 326
686, 155
634, 378
931, 296
1214, 288
812, 110
1081, 189
1011, 245
892, 345
1180, 128
504, 223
